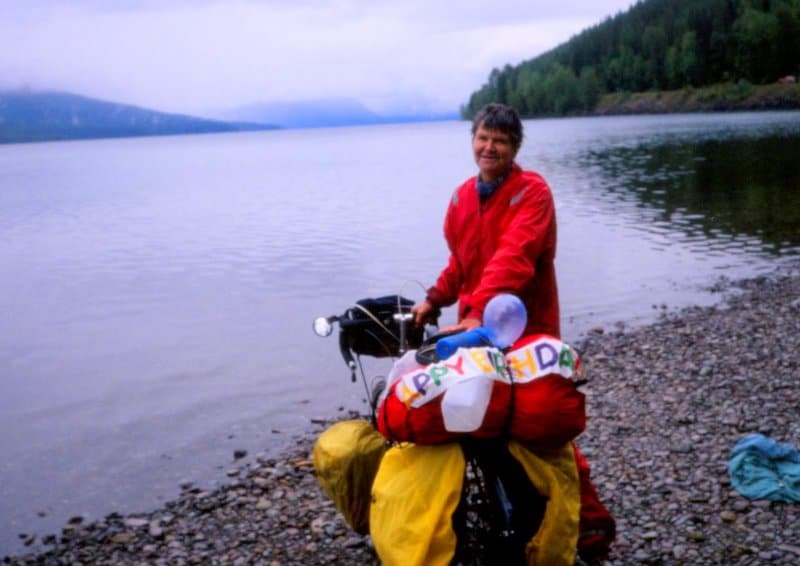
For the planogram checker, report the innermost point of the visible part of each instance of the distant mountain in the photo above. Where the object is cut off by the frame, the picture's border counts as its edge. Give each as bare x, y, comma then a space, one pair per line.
326, 113
27, 116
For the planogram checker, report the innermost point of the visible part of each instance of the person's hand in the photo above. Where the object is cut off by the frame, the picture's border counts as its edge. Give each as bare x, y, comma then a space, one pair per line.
464, 325
423, 312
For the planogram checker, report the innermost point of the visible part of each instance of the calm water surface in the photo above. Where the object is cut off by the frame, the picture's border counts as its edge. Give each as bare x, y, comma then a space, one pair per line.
156, 294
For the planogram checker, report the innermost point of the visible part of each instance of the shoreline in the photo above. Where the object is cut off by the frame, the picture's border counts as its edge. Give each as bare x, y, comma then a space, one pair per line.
723, 97
665, 404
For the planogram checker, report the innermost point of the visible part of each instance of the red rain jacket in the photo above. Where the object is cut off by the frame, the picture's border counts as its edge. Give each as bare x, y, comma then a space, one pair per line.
506, 244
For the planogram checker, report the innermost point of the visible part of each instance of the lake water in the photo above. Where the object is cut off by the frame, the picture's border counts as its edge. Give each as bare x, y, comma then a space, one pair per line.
157, 294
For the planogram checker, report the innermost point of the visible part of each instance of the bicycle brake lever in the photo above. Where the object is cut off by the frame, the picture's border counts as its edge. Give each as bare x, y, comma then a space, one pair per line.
344, 348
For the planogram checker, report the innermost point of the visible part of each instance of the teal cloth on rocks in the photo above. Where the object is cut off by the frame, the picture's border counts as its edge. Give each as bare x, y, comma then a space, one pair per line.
761, 468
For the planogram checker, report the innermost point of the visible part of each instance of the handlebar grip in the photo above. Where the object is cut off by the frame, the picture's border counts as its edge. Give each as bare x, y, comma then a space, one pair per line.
355, 322
447, 346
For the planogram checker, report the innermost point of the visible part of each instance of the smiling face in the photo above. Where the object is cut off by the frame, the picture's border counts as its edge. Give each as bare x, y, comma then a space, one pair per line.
493, 151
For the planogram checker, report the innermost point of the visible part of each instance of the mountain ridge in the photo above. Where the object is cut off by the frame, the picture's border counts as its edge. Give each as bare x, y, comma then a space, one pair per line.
49, 115
327, 112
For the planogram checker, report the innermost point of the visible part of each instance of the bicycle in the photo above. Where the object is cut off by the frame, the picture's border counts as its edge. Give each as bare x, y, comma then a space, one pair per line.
499, 510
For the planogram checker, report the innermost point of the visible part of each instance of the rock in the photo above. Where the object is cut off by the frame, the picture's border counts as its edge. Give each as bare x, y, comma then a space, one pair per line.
789, 548
49, 539
353, 542
318, 524
155, 530
696, 536
658, 439
150, 550
135, 522
123, 538
741, 505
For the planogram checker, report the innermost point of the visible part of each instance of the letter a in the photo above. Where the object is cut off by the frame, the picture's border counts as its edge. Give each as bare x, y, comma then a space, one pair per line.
566, 359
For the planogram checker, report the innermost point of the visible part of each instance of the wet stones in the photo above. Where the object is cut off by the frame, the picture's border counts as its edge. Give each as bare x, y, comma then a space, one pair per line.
688, 388
666, 403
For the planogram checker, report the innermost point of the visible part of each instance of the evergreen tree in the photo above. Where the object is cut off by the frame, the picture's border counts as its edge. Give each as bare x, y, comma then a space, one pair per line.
655, 44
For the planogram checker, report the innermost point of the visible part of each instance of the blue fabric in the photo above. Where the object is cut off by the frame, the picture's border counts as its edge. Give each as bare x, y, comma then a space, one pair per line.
485, 189
761, 468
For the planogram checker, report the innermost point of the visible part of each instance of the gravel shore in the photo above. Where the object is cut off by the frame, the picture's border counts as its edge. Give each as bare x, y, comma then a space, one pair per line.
666, 404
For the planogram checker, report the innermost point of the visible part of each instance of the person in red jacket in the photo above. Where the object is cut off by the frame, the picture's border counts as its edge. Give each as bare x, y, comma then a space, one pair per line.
500, 228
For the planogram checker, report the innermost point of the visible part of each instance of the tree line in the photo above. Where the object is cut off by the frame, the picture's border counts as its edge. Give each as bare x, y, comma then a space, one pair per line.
654, 45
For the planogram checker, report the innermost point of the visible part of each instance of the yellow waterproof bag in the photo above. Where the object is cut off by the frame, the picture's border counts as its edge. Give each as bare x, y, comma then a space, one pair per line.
554, 474
414, 495
418, 488
346, 459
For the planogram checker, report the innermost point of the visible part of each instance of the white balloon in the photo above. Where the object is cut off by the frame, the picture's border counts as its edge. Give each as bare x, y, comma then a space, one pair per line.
505, 317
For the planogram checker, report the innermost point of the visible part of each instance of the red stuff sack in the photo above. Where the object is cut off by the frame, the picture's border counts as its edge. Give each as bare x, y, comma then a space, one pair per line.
467, 394
529, 394
548, 410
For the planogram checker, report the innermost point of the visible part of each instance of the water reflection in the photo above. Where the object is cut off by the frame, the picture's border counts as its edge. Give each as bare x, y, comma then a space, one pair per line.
724, 193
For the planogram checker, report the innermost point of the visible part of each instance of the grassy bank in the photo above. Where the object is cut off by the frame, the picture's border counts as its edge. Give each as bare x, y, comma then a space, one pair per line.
716, 98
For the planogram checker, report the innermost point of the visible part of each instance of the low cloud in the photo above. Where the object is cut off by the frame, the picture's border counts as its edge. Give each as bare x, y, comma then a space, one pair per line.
192, 56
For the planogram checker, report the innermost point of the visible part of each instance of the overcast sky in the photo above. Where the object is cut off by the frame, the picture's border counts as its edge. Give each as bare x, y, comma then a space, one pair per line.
197, 55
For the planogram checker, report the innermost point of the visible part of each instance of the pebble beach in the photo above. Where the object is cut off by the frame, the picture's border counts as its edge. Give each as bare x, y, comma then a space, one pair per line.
666, 403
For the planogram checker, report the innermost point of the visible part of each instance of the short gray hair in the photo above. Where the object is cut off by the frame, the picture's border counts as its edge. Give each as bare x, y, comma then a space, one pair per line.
501, 117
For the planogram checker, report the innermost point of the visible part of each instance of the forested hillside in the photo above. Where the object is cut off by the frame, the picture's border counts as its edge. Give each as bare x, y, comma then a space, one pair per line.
655, 45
